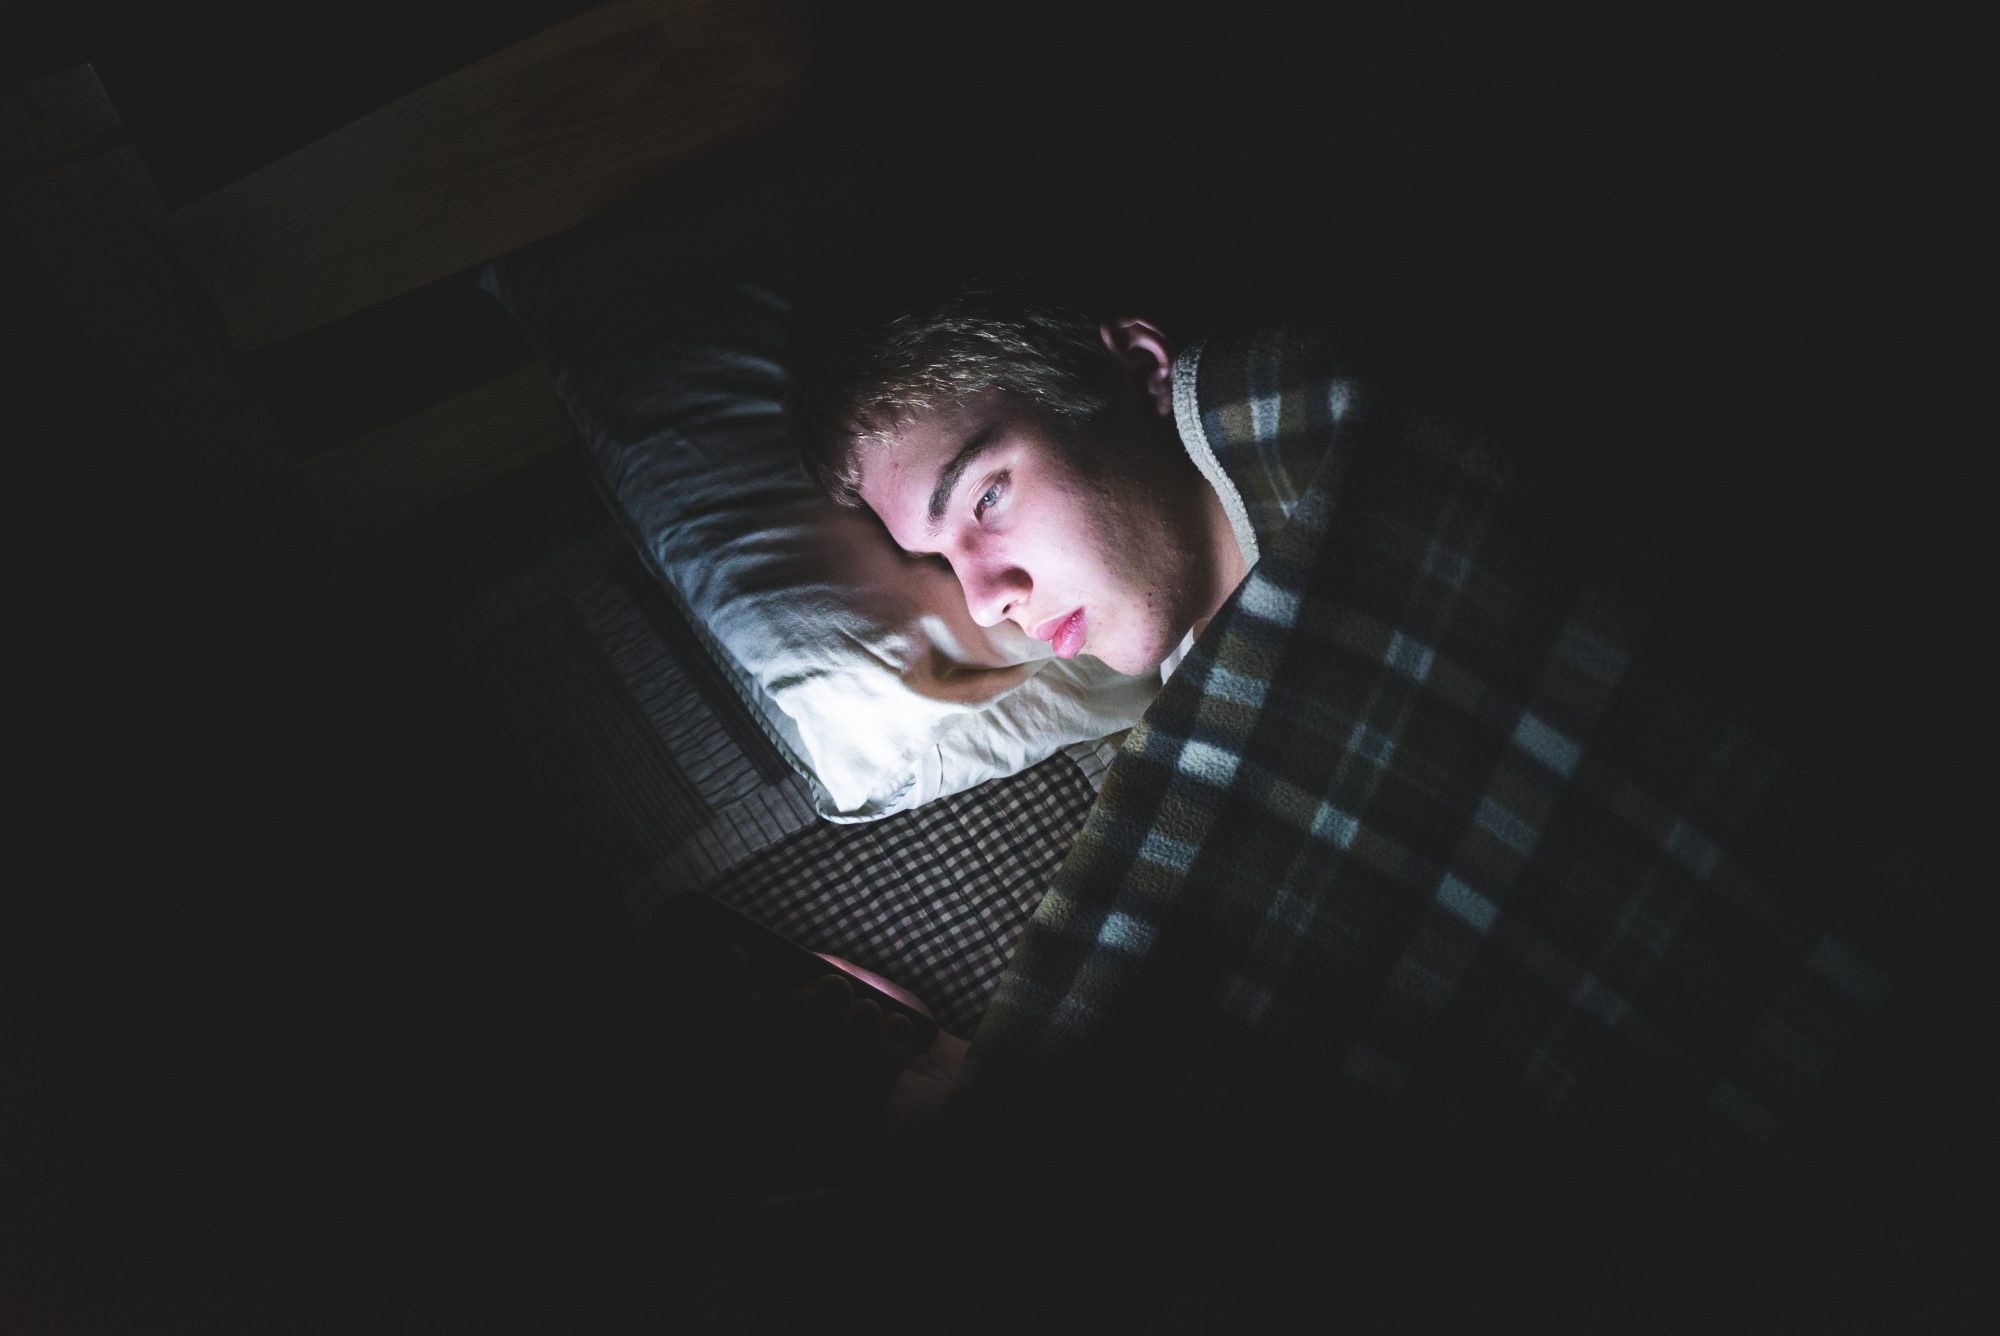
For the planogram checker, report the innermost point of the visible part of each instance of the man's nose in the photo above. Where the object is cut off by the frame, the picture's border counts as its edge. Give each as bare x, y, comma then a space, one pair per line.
993, 593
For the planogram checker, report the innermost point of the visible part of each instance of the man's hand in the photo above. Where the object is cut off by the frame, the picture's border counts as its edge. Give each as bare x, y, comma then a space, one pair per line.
855, 1067
922, 1087
843, 1053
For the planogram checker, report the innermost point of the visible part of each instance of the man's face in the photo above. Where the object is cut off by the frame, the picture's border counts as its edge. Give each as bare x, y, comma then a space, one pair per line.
1104, 557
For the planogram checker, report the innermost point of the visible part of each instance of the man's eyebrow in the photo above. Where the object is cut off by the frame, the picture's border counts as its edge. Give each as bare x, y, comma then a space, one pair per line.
975, 445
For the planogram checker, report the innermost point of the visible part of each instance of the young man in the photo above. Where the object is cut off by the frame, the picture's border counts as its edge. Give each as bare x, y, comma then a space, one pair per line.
1439, 858
1057, 488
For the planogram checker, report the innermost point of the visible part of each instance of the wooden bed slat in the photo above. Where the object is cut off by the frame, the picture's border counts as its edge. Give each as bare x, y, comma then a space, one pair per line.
61, 115
401, 474
524, 144
96, 225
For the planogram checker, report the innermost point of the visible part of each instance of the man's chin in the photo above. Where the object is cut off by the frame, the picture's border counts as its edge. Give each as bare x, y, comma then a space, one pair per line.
1129, 662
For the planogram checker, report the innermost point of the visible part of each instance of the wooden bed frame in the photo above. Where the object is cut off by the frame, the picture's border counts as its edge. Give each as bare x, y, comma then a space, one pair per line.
537, 139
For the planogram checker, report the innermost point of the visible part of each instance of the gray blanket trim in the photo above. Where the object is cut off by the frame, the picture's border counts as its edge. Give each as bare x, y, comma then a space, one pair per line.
1187, 420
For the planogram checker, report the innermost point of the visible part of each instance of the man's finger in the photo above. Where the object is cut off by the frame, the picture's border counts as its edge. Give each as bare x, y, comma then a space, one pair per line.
807, 1023
898, 1038
826, 993
864, 1022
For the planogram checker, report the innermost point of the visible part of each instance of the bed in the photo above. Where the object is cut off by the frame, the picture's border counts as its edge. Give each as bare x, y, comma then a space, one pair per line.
654, 184
703, 694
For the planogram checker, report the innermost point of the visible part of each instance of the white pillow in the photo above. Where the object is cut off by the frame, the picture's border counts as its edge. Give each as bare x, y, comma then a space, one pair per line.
863, 660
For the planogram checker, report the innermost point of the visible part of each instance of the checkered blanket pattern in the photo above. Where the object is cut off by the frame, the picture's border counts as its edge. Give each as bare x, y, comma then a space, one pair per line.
933, 898
1435, 823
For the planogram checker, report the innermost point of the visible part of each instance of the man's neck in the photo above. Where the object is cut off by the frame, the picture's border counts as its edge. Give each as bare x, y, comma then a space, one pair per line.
1226, 569
1227, 565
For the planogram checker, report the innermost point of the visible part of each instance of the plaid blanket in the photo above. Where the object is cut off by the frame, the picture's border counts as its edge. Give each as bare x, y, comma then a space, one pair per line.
1438, 832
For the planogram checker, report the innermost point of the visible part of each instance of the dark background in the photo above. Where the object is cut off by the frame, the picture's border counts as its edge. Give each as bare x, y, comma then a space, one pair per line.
311, 1019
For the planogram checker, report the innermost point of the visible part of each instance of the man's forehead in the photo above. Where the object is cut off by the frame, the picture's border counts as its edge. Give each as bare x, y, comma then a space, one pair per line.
895, 471
911, 454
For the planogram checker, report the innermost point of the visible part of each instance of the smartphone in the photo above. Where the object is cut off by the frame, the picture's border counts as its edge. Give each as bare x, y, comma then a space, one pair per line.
722, 943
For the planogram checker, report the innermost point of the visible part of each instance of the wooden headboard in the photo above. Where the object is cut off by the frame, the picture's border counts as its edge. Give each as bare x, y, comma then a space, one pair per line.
541, 137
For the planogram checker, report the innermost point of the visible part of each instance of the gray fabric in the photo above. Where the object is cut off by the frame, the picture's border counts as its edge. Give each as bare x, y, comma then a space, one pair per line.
599, 700
1437, 852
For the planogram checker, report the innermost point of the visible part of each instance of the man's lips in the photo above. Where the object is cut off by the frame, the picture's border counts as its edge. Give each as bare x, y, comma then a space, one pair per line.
1064, 634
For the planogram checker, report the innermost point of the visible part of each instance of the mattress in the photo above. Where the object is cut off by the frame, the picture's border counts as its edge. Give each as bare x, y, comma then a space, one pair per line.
663, 782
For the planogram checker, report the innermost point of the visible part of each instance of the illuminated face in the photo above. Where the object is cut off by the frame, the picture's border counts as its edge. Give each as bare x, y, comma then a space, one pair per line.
1099, 538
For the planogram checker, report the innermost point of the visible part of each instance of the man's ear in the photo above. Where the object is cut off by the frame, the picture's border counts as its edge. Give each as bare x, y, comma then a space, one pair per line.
1143, 351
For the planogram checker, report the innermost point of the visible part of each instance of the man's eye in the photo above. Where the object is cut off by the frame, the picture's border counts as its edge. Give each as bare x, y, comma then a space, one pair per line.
989, 498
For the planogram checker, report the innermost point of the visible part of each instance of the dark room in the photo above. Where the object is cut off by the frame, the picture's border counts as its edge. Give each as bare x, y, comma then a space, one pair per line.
737, 666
